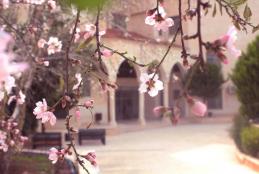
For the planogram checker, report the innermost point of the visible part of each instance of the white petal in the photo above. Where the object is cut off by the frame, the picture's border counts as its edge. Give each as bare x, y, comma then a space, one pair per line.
53, 119
150, 20
143, 88
169, 22
144, 77
159, 85
153, 92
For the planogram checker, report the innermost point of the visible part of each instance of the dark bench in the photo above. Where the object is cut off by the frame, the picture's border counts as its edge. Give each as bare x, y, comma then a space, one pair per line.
48, 139
91, 134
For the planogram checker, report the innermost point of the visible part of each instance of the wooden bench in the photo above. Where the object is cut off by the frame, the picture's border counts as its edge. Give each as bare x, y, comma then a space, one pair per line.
48, 139
91, 134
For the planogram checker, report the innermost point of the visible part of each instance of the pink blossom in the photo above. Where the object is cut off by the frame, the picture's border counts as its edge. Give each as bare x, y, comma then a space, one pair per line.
54, 45
5, 39
7, 67
89, 104
159, 21
5, 4
197, 107
91, 157
229, 40
159, 110
164, 24
41, 43
41, 112
53, 155
2, 94
46, 63
9, 83
78, 113
21, 98
79, 81
52, 4
101, 33
3, 145
89, 31
106, 53
150, 84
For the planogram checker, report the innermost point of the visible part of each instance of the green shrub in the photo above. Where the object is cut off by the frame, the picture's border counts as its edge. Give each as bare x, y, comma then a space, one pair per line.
206, 84
250, 140
239, 123
245, 78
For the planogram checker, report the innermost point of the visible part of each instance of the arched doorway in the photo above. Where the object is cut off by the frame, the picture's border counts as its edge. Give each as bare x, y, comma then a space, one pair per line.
152, 102
127, 96
176, 89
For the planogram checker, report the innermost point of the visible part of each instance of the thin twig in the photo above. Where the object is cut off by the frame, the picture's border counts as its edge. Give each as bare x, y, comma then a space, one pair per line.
166, 53
199, 33
125, 57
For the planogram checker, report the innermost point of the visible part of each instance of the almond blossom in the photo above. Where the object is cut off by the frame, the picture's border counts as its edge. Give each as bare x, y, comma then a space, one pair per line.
52, 4
77, 113
5, 4
91, 157
54, 45
41, 112
21, 98
41, 43
228, 41
3, 145
89, 31
1, 95
106, 53
159, 20
53, 155
79, 81
197, 107
89, 104
8, 67
159, 110
150, 84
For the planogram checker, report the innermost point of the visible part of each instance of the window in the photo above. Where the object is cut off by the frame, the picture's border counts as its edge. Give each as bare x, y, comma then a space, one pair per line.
119, 21
216, 102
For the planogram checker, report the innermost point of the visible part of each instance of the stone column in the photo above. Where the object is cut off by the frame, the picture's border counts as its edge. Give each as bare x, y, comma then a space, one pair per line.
112, 121
142, 109
166, 94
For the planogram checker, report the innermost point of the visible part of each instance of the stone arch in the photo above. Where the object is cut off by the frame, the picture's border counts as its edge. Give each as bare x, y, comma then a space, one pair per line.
127, 96
176, 88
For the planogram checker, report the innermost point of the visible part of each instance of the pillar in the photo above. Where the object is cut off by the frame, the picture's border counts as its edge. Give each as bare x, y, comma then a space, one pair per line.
112, 109
166, 94
142, 109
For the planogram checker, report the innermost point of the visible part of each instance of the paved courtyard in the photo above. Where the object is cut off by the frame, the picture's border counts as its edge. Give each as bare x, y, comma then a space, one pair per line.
183, 149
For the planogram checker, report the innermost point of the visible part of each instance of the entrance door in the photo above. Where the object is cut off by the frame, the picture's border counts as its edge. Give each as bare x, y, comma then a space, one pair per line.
127, 104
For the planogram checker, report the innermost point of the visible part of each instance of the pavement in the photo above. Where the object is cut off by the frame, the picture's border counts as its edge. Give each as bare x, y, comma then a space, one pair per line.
183, 149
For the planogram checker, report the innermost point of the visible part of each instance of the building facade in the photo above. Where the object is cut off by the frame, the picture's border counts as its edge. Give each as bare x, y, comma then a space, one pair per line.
127, 32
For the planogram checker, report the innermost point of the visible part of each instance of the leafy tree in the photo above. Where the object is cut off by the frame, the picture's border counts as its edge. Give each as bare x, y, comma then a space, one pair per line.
245, 77
206, 84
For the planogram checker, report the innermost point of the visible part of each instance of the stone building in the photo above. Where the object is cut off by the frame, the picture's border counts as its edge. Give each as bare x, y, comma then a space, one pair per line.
127, 32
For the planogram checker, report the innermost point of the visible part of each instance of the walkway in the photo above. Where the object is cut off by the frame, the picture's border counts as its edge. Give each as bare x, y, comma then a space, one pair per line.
184, 149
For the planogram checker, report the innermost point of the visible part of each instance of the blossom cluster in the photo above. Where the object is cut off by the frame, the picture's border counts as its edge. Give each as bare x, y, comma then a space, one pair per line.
51, 3
8, 71
55, 155
10, 135
54, 45
41, 111
157, 17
